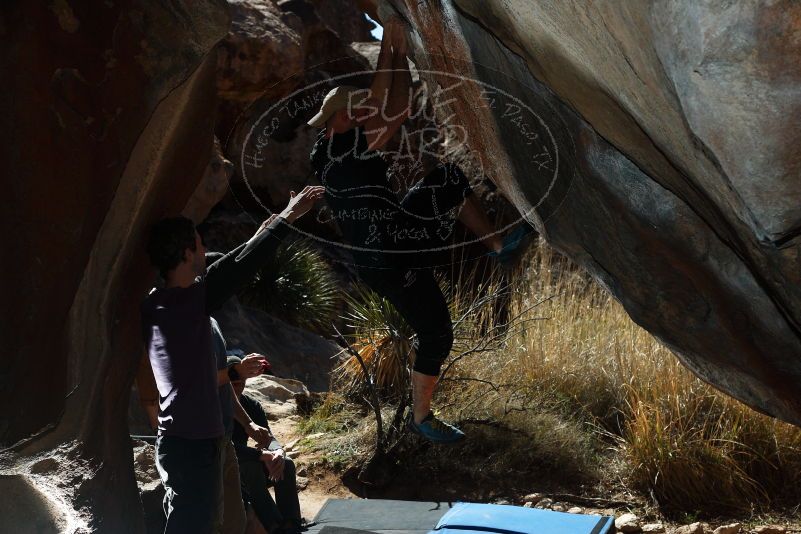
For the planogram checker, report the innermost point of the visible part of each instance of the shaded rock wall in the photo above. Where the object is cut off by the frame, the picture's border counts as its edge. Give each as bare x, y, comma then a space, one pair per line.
672, 133
274, 46
272, 50
105, 128
212, 186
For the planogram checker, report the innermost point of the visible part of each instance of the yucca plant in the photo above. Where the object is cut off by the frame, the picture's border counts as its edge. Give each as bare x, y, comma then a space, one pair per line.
296, 285
383, 339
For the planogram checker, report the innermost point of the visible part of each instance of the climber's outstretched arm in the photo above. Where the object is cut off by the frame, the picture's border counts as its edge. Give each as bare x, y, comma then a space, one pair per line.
382, 79
391, 86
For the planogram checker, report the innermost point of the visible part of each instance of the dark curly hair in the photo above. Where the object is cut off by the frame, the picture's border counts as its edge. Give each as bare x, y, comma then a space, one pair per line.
169, 238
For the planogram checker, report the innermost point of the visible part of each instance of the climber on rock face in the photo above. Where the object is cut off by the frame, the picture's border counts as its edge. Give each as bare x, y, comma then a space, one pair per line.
396, 242
178, 335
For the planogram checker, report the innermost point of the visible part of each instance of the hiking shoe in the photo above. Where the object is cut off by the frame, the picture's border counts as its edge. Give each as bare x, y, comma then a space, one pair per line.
436, 431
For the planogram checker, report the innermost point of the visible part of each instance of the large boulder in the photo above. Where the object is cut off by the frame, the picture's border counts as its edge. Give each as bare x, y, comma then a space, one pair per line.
656, 144
271, 42
262, 52
107, 124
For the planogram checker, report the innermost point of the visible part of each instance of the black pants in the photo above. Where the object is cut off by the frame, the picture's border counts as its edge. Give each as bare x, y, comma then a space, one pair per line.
191, 471
418, 298
408, 281
282, 511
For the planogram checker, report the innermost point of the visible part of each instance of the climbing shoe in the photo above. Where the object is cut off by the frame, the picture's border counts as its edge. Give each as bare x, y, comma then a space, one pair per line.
436, 431
512, 245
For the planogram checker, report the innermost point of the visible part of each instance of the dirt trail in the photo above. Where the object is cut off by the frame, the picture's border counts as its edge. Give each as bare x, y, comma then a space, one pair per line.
320, 486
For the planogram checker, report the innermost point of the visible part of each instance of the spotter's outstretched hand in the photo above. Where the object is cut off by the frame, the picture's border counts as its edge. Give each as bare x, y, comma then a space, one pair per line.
300, 203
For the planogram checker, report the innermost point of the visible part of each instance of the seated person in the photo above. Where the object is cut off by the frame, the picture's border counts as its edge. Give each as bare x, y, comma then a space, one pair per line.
261, 468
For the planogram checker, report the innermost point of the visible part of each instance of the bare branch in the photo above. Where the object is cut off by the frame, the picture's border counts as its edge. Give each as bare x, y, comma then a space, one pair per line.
376, 405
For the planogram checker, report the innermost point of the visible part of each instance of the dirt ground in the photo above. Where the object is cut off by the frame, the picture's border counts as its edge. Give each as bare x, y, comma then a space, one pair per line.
322, 485
317, 484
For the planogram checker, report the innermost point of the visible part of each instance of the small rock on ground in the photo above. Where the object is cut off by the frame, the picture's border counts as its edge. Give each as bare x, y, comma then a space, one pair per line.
533, 498
654, 528
770, 529
693, 528
628, 523
733, 528
574, 510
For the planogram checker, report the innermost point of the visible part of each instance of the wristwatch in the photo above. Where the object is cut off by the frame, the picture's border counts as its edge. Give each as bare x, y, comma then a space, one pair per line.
233, 376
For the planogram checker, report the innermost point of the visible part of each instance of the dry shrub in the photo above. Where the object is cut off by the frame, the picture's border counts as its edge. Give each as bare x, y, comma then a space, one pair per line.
690, 447
695, 449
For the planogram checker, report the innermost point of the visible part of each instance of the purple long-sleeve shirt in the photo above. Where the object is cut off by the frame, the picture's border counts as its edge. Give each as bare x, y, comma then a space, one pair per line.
178, 338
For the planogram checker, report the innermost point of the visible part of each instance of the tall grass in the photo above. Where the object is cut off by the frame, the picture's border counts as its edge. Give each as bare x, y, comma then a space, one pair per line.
686, 445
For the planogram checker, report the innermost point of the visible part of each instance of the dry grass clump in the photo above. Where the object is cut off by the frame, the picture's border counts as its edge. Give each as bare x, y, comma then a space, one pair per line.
693, 448
688, 446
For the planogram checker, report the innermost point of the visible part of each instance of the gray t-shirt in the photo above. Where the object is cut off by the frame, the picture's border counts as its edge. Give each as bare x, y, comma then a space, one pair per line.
226, 395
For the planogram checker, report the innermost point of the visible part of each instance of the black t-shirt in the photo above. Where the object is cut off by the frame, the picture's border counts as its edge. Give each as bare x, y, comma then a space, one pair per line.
240, 437
358, 193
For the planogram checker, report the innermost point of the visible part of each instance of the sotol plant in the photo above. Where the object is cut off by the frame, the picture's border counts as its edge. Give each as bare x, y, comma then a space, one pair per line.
298, 286
383, 340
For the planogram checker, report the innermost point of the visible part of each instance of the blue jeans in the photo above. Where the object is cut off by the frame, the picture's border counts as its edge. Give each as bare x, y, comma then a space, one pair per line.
192, 473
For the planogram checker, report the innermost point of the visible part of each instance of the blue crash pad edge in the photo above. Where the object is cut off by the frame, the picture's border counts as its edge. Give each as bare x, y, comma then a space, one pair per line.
464, 518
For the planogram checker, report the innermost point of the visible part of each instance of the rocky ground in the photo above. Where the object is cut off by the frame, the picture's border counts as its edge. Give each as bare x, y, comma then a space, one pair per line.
318, 482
